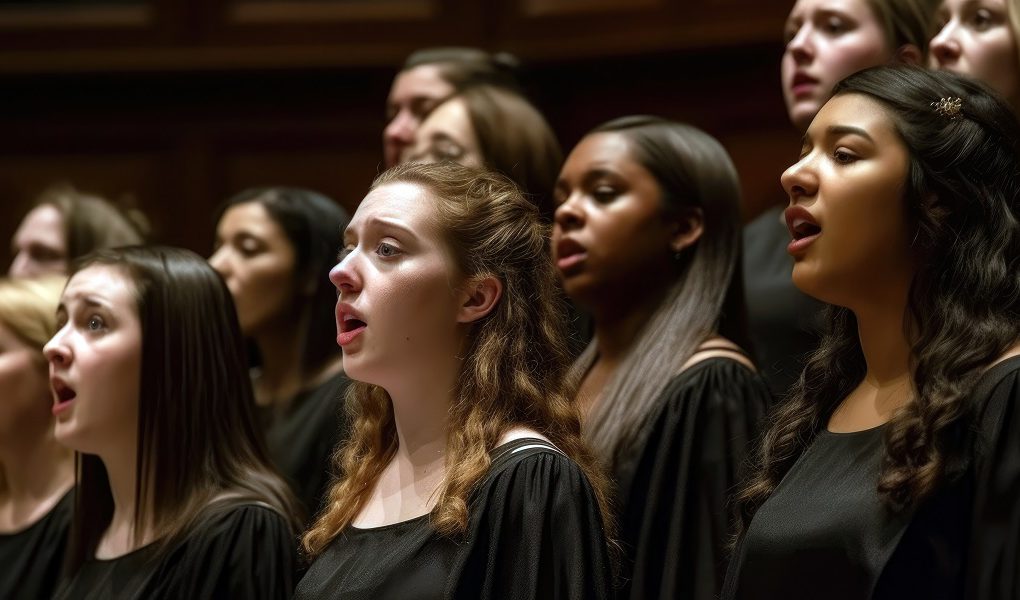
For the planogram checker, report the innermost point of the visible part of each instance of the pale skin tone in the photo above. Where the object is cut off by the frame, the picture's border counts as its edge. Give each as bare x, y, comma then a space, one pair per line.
256, 259
397, 278
38, 246
853, 168
611, 207
415, 92
447, 134
96, 352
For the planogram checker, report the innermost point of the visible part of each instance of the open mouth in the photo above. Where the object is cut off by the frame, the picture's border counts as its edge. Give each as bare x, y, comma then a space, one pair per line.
569, 253
802, 228
63, 394
351, 323
802, 83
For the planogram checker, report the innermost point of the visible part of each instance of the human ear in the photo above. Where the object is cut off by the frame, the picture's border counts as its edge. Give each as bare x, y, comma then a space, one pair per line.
479, 297
687, 230
908, 54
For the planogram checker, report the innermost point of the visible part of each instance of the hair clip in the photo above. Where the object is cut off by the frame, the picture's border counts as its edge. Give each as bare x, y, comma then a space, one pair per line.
948, 107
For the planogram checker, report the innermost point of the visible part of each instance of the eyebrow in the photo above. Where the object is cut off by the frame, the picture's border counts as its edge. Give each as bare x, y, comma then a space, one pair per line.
839, 130
380, 222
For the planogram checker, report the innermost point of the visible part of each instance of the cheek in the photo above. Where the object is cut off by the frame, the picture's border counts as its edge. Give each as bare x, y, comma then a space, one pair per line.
419, 308
26, 398
845, 57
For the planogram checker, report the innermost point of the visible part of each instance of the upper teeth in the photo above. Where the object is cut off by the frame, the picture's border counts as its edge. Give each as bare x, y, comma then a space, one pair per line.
349, 317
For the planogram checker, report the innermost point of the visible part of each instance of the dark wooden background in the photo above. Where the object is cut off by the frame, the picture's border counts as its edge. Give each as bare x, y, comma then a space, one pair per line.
176, 104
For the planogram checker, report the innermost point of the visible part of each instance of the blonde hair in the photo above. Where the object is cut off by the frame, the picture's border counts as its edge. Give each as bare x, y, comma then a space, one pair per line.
514, 367
28, 307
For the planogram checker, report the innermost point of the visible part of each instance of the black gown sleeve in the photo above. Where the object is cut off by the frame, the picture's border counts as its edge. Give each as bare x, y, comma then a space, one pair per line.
537, 534
248, 552
993, 567
676, 522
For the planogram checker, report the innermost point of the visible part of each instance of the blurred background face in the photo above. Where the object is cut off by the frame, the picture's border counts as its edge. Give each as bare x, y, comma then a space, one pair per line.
414, 94
975, 39
39, 246
25, 405
851, 180
610, 230
827, 40
95, 362
447, 134
257, 260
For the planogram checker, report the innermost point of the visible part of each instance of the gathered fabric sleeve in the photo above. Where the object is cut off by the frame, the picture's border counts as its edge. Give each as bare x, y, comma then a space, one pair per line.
536, 532
993, 565
675, 484
248, 552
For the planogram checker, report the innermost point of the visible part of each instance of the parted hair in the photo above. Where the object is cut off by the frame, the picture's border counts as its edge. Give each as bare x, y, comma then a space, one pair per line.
693, 172
514, 365
962, 193
526, 151
92, 222
200, 449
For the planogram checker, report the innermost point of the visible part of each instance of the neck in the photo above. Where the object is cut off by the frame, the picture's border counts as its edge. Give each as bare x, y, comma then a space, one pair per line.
281, 374
35, 472
881, 327
120, 470
618, 323
421, 415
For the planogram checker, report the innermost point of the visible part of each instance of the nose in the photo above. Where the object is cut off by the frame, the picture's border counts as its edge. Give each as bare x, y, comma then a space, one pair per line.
344, 275
56, 351
801, 47
218, 261
569, 215
20, 266
401, 129
800, 180
945, 48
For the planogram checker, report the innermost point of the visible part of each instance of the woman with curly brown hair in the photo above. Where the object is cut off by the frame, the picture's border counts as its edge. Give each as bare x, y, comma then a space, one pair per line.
465, 472
892, 471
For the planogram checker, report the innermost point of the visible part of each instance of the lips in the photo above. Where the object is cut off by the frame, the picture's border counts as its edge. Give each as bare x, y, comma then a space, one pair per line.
804, 228
349, 324
802, 84
569, 255
63, 394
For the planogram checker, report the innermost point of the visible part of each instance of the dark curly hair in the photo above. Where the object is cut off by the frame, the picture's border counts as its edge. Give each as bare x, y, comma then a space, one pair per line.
962, 193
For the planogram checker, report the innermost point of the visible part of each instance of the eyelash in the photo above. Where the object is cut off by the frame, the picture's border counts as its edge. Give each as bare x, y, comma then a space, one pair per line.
849, 158
95, 319
344, 252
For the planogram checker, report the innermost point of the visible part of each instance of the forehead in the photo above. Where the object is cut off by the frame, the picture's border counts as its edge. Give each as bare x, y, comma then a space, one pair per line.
103, 283
252, 217
450, 117
608, 150
423, 80
860, 9
403, 203
44, 220
855, 110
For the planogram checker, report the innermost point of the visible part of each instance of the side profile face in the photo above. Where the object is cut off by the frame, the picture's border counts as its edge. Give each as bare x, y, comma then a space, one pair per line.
415, 92
397, 312
39, 245
848, 216
26, 404
827, 40
611, 230
447, 134
257, 261
975, 39
95, 362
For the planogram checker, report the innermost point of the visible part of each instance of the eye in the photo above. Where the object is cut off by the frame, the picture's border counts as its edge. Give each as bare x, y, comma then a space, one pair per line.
95, 323
982, 19
834, 25
604, 194
843, 157
386, 250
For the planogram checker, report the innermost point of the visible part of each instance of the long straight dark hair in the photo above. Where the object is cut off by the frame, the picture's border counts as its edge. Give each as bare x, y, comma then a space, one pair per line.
962, 192
693, 171
199, 446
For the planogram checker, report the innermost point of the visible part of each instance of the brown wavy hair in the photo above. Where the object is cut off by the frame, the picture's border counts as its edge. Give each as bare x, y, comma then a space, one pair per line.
963, 195
514, 368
